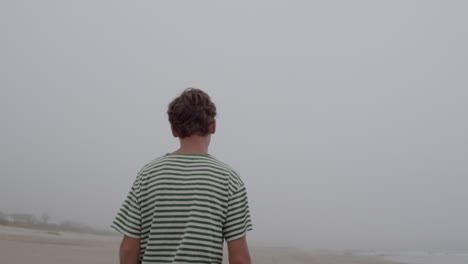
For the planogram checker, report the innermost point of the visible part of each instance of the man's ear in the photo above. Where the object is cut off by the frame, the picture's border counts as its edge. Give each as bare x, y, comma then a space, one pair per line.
212, 127
174, 133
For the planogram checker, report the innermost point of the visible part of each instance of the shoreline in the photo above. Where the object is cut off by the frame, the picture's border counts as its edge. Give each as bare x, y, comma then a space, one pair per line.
25, 245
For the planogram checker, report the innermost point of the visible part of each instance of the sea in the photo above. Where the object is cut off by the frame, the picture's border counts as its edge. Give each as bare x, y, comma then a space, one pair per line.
422, 257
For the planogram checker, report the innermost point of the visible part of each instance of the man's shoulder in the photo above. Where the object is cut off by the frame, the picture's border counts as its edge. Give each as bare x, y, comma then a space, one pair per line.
151, 165
224, 165
235, 180
175, 160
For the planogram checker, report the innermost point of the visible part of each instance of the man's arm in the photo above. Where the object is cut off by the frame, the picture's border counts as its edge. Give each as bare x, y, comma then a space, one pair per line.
129, 250
238, 251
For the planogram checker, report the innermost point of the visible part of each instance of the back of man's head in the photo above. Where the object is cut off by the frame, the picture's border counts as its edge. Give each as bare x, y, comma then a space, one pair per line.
191, 113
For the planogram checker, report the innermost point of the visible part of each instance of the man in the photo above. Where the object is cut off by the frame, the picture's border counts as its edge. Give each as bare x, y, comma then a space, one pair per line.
183, 205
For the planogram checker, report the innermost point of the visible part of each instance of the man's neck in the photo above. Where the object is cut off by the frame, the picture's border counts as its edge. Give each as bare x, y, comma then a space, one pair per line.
194, 145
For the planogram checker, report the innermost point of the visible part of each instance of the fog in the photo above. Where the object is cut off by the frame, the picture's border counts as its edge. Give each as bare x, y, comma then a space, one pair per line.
347, 120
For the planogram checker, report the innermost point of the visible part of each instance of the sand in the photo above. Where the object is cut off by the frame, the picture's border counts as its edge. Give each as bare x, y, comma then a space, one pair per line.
20, 245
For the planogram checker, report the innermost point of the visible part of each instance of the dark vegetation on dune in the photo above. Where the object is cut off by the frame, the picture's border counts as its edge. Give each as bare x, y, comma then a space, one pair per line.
44, 222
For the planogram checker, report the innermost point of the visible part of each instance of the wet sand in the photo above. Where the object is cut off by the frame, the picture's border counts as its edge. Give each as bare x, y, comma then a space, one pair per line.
20, 245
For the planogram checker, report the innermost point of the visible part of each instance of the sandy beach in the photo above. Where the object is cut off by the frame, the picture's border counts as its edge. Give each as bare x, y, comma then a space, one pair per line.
20, 245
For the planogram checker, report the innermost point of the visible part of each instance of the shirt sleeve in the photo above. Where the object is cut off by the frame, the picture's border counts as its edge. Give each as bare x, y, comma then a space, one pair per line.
238, 220
128, 219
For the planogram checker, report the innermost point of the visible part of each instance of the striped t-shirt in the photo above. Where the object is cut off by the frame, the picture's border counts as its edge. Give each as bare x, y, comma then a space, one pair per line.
182, 207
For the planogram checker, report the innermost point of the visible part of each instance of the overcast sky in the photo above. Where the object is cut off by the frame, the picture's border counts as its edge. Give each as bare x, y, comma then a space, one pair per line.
347, 120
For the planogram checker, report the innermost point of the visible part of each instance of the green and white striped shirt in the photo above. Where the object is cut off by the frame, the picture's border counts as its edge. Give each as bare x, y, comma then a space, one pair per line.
182, 207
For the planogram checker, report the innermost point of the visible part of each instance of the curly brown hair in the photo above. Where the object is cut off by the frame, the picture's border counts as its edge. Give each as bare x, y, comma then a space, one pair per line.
191, 113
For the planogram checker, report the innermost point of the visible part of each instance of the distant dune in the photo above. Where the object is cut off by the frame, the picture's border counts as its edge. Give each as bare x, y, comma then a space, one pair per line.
19, 246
